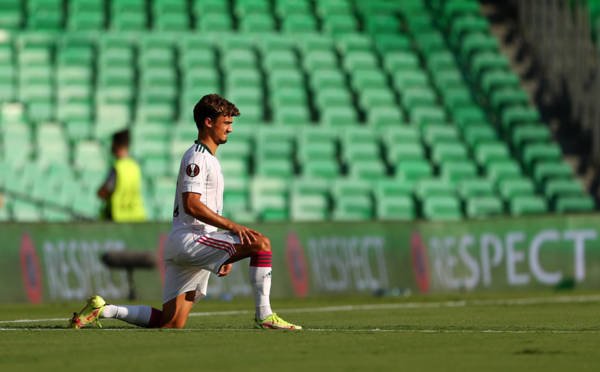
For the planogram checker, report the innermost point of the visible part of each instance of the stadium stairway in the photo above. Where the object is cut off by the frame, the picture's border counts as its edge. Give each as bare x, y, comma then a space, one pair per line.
351, 110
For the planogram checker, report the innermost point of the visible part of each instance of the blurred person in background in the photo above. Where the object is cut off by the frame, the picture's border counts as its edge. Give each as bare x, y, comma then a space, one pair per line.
122, 189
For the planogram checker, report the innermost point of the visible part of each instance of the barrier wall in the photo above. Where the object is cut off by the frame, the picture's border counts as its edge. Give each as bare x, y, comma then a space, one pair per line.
56, 262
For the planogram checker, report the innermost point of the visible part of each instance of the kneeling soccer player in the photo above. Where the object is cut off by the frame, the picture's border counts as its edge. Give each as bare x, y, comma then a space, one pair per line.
194, 248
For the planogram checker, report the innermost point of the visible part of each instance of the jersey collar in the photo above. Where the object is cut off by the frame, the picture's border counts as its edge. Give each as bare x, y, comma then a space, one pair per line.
203, 145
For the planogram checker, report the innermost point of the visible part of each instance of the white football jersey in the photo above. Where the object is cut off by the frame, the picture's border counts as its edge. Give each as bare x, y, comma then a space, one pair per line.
199, 172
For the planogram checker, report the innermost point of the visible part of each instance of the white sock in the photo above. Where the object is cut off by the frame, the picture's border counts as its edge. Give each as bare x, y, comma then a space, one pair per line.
260, 278
138, 314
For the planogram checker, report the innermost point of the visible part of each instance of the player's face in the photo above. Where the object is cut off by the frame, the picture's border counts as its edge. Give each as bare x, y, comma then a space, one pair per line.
222, 128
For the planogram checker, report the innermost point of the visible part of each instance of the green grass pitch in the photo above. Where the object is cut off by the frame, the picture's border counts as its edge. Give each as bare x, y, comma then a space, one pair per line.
501, 332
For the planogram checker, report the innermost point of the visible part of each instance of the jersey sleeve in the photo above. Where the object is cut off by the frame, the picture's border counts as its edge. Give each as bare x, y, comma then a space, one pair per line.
110, 181
194, 171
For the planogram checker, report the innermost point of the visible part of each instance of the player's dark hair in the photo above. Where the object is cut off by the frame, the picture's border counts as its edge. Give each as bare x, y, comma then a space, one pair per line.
212, 106
120, 138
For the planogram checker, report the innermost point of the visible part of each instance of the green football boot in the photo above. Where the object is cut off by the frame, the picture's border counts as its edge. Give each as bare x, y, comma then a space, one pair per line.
275, 322
89, 314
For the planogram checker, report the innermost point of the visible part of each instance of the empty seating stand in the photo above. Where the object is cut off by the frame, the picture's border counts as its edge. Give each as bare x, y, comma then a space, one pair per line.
351, 109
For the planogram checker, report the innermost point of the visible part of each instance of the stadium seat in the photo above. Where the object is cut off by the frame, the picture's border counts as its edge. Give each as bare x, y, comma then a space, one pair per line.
399, 207
527, 205
484, 206
510, 188
574, 204
441, 208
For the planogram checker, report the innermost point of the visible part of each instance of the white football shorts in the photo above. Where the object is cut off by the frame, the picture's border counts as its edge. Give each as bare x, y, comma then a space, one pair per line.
190, 257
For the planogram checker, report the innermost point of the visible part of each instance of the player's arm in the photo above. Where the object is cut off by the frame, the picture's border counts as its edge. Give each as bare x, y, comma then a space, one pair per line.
193, 206
108, 186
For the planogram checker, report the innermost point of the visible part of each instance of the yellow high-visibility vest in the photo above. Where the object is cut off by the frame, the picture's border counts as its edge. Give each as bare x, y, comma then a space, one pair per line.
126, 203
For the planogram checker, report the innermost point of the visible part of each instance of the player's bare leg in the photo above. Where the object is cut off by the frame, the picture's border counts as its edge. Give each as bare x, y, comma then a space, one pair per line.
96, 308
176, 311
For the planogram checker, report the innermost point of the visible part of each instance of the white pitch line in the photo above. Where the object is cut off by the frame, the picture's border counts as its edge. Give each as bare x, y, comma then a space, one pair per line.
406, 305
326, 330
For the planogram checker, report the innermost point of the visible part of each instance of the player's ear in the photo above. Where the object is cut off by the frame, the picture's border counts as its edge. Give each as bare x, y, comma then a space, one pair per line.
208, 122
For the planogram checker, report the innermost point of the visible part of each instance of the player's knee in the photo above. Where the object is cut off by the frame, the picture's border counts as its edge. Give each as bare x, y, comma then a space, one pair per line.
264, 244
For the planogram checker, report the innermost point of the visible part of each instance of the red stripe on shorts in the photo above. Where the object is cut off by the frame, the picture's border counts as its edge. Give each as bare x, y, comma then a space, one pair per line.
217, 244
217, 247
226, 245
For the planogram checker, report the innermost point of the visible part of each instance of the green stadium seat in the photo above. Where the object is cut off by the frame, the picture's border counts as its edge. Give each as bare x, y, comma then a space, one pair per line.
89, 155
269, 198
327, 169
515, 115
468, 115
404, 151
403, 80
465, 25
455, 97
425, 115
525, 134
475, 135
354, 43
434, 187
441, 208
400, 61
429, 41
400, 134
385, 117
413, 170
368, 79
451, 151
435, 134
476, 187
352, 208
527, 205
494, 80
551, 170
391, 42
390, 188
456, 171
382, 24
339, 116
418, 96
510, 188
487, 61
563, 187
484, 206
536, 152
298, 23
487, 153
277, 168
447, 78
368, 170
359, 60
475, 43
575, 204
441, 61
503, 169
504, 97
11, 15
25, 211
398, 207
339, 24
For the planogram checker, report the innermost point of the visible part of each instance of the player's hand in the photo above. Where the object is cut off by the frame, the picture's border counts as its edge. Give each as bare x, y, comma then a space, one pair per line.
225, 269
246, 234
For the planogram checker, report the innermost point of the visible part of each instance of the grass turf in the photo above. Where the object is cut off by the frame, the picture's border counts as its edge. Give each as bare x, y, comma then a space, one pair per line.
441, 333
